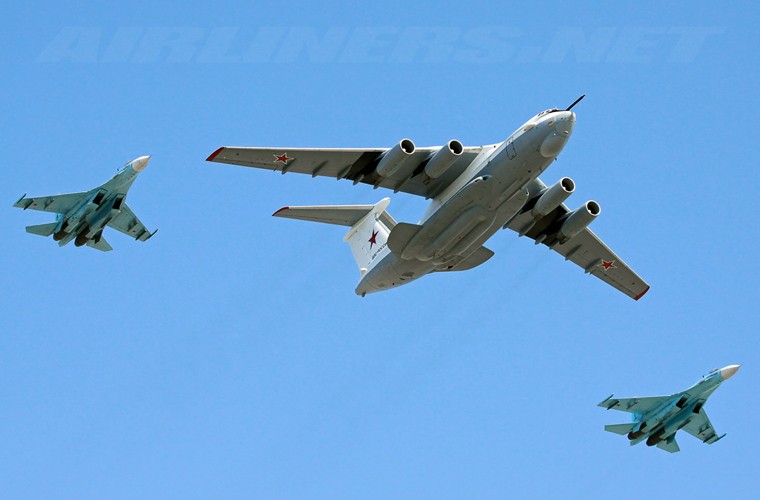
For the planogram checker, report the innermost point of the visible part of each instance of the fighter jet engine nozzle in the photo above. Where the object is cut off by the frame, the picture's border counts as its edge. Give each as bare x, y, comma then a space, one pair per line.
395, 157
140, 163
81, 239
654, 439
443, 159
578, 220
553, 197
729, 371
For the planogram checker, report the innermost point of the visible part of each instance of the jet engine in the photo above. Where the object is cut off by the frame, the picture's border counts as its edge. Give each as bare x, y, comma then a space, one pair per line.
578, 220
553, 197
442, 160
395, 157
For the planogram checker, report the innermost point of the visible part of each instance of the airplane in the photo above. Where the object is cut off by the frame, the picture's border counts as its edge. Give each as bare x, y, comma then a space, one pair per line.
474, 192
83, 216
657, 419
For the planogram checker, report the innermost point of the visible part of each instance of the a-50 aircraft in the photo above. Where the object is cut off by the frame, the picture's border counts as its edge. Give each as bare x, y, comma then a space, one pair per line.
657, 419
475, 191
83, 216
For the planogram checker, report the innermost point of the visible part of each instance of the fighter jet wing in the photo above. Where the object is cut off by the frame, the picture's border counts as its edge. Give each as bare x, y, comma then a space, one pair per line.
357, 165
634, 405
585, 249
59, 203
128, 223
701, 428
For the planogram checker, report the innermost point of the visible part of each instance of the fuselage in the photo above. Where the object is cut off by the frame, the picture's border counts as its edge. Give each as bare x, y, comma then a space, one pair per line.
86, 220
483, 199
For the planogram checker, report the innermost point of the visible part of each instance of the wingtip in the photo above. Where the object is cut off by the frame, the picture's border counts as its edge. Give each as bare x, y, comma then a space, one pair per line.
280, 210
641, 294
213, 155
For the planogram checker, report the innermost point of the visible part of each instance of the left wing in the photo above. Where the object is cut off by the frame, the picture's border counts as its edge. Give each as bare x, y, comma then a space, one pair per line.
128, 223
634, 405
701, 428
58, 203
585, 249
357, 165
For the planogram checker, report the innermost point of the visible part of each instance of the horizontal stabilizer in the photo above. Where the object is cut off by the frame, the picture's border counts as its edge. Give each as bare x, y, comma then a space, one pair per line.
340, 215
621, 429
101, 245
42, 229
401, 235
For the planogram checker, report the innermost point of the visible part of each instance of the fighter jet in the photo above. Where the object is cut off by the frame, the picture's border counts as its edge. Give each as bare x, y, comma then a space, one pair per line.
474, 192
657, 419
83, 216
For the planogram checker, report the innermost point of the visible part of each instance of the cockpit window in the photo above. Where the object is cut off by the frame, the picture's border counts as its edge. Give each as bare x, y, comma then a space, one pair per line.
706, 375
542, 113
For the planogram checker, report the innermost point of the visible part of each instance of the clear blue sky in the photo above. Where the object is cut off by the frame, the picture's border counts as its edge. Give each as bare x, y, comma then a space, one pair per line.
228, 357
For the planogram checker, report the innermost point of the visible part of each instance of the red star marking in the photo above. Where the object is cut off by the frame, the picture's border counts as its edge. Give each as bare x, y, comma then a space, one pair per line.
283, 158
607, 265
373, 239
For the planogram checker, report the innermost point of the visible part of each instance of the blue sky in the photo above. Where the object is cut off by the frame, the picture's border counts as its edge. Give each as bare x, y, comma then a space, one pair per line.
229, 357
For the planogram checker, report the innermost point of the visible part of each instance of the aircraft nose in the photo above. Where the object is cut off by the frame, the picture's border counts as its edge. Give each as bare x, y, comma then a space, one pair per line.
729, 371
560, 127
140, 163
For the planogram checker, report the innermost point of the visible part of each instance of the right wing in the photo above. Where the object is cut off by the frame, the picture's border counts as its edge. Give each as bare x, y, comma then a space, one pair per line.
128, 223
357, 165
701, 428
58, 203
634, 405
585, 249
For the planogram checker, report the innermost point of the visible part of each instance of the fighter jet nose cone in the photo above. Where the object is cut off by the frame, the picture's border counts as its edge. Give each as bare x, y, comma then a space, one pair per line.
729, 371
140, 163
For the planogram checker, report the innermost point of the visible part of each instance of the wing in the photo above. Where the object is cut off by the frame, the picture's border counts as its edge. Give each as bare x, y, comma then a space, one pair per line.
634, 405
357, 165
701, 428
59, 203
128, 223
585, 249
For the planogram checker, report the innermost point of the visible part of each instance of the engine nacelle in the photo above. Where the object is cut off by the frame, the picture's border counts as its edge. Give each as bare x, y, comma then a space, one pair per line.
442, 160
395, 157
578, 220
553, 197
81, 239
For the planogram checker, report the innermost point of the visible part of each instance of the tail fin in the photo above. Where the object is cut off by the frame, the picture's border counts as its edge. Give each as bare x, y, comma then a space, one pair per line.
42, 229
370, 226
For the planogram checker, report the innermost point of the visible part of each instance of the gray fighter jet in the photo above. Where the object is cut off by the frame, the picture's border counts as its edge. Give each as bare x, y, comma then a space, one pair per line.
657, 419
83, 216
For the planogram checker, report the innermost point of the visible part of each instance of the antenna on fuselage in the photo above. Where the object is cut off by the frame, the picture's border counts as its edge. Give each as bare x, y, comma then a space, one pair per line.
576, 102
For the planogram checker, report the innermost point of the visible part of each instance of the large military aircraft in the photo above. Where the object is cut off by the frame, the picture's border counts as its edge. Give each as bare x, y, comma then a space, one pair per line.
83, 216
658, 418
475, 191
